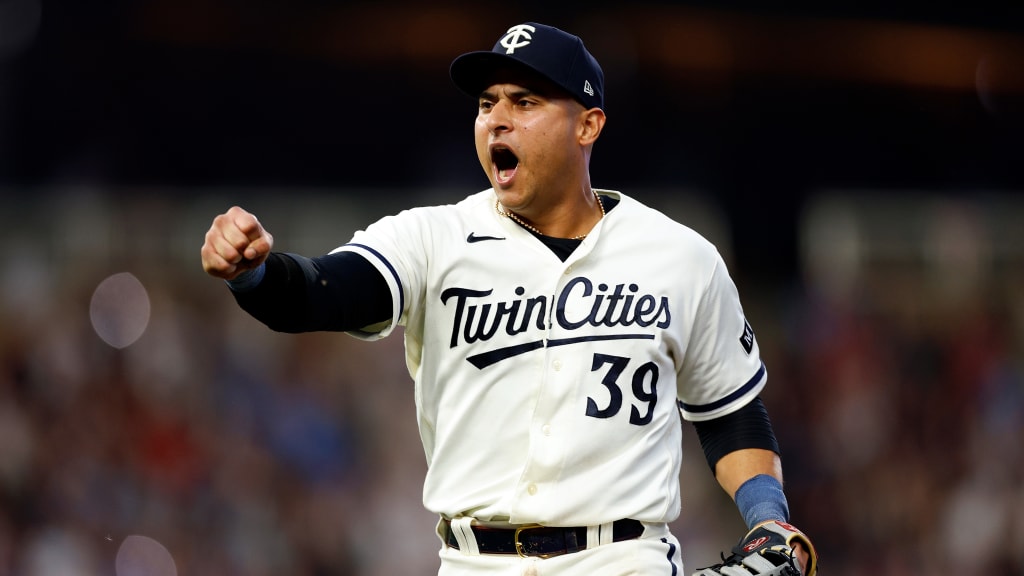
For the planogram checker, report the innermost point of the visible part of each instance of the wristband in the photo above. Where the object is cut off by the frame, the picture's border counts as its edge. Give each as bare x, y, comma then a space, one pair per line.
247, 280
761, 499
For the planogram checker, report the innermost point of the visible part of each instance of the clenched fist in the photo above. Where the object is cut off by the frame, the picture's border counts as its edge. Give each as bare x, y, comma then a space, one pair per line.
236, 242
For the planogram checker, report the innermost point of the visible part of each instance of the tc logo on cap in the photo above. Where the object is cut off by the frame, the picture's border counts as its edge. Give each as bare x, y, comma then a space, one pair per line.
517, 36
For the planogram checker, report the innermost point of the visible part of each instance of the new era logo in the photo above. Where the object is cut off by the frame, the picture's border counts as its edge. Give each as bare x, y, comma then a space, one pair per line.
588, 88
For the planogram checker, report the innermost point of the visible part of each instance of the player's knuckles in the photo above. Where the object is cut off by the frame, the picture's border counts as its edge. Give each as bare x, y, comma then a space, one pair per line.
232, 225
222, 221
224, 249
235, 237
225, 233
217, 237
246, 223
236, 212
262, 245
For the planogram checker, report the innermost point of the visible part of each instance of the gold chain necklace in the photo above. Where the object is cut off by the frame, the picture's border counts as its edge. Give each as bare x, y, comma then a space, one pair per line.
512, 216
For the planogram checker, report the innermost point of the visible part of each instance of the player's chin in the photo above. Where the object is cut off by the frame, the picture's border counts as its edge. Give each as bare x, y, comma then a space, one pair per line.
506, 193
509, 197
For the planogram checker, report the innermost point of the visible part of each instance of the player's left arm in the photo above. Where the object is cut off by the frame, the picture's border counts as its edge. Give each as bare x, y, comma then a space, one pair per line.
738, 440
742, 451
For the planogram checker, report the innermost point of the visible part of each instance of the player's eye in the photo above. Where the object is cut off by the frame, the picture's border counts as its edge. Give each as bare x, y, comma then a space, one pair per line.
486, 105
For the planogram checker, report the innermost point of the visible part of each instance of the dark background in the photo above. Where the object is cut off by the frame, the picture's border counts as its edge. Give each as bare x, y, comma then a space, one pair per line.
758, 106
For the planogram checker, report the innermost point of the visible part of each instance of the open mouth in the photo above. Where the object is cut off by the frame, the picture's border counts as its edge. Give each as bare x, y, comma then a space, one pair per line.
505, 163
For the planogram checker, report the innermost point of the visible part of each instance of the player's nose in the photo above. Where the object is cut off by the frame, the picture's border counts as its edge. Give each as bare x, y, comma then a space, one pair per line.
498, 118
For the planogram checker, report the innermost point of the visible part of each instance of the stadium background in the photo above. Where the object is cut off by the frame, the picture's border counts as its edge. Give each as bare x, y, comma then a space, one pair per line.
858, 164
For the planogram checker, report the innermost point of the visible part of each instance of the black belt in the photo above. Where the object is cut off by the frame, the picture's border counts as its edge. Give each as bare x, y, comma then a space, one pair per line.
542, 541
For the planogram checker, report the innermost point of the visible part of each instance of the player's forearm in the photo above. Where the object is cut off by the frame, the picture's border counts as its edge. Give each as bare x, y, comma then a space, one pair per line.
298, 294
739, 466
276, 296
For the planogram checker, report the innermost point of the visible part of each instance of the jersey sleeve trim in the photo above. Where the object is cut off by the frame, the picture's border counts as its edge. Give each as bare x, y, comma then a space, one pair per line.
394, 280
750, 385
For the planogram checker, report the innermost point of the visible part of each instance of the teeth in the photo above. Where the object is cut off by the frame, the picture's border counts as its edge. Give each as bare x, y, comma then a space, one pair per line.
505, 174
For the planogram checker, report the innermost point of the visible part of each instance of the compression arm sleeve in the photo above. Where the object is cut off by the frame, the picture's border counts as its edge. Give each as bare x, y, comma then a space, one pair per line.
336, 292
748, 427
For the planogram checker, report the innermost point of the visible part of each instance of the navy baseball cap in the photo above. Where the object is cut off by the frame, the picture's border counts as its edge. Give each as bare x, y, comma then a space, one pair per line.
556, 55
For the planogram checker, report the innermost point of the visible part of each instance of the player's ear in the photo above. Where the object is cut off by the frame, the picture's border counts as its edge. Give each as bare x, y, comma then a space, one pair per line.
591, 124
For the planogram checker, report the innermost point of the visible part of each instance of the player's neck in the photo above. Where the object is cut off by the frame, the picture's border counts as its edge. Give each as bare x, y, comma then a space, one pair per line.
573, 222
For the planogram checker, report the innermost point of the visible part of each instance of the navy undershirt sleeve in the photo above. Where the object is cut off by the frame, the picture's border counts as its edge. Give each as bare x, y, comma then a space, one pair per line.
748, 427
336, 292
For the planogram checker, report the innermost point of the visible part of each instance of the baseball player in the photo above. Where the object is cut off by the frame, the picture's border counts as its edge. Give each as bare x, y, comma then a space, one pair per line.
555, 333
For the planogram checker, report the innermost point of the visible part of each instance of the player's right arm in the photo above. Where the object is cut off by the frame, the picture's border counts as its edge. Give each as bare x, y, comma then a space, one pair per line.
289, 292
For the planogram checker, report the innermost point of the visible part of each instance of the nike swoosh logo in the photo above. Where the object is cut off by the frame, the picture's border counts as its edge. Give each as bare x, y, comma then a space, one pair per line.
474, 238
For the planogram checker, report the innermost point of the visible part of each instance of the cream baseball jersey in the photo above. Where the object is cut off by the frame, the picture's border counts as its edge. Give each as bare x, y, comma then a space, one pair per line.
550, 392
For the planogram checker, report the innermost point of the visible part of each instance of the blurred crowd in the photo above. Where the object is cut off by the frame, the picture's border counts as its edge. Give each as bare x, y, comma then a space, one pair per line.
897, 395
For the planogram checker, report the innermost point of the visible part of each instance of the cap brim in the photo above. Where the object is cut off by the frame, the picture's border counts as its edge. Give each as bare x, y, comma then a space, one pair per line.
474, 71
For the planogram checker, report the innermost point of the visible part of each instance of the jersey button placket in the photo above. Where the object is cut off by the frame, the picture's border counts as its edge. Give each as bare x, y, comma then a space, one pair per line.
540, 476
545, 430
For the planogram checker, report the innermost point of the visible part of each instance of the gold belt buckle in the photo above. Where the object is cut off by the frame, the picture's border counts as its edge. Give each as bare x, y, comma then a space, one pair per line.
519, 545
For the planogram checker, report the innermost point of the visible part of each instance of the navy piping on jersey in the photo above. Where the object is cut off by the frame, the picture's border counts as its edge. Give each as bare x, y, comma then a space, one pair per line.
394, 274
485, 359
742, 390
671, 553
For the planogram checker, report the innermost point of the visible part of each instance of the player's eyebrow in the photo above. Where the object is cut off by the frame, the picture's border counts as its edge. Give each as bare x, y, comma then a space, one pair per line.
516, 94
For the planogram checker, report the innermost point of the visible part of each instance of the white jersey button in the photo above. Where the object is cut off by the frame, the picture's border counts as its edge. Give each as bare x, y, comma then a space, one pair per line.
532, 489
546, 429
557, 365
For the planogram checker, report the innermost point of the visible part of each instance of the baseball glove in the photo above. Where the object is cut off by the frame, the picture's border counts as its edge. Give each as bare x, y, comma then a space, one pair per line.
767, 550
